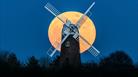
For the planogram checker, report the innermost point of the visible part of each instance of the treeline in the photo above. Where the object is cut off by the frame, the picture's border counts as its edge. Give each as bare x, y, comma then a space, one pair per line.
116, 64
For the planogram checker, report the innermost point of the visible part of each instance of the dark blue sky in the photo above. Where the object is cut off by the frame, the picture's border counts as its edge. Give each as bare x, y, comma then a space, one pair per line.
24, 26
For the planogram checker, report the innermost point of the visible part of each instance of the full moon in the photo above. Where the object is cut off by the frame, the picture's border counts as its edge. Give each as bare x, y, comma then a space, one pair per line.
87, 30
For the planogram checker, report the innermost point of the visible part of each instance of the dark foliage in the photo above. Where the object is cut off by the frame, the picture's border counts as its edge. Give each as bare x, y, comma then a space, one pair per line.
117, 61
117, 64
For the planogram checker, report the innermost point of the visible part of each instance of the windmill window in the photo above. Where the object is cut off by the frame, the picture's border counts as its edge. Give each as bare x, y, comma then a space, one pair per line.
67, 44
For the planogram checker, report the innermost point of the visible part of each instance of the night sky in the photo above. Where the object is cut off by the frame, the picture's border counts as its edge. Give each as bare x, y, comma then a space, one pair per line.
24, 26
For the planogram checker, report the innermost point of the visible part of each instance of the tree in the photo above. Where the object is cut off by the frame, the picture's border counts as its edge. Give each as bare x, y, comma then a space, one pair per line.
44, 62
33, 63
116, 61
3, 61
14, 64
33, 67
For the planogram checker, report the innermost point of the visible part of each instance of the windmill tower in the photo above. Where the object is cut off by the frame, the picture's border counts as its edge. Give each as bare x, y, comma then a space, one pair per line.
70, 49
70, 38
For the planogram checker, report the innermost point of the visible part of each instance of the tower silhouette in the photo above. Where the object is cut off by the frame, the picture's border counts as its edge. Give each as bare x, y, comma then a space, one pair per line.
70, 49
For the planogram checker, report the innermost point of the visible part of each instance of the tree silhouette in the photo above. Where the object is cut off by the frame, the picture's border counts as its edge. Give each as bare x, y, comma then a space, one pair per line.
33, 63
44, 62
117, 61
13, 63
3, 61
55, 65
9, 64
89, 67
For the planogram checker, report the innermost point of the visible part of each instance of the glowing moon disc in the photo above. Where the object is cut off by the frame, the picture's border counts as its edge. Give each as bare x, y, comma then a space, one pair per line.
87, 30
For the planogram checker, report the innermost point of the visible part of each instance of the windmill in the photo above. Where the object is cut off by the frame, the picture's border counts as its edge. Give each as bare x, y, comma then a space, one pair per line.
70, 27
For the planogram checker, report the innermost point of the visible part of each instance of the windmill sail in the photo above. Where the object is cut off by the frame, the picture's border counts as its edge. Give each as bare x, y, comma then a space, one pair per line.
92, 49
83, 17
55, 12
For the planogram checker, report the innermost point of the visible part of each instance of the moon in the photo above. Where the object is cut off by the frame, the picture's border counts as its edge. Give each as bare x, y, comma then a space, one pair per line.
87, 30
